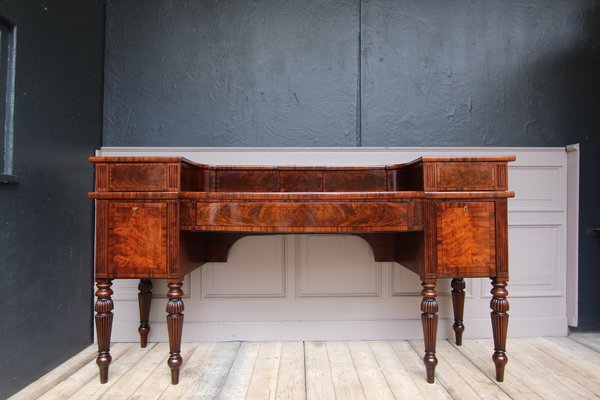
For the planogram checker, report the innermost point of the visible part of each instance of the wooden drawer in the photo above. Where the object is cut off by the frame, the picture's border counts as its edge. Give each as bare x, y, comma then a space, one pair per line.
137, 177
465, 238
274, 216
136, 238
465, 176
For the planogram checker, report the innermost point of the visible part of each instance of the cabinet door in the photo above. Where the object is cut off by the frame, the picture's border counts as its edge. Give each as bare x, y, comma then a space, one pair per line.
465, 238
137, 238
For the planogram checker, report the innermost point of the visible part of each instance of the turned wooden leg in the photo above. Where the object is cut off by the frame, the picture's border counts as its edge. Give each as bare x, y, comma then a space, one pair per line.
104, 317
144, 299
175, 328
499, 306
458, 304
429, 318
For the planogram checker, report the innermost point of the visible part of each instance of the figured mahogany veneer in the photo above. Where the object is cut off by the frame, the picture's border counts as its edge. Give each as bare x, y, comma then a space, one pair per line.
162, 217
137, 238
466, 238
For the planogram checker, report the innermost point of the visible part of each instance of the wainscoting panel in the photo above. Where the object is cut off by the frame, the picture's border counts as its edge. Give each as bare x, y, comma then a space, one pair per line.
350, 272
328, 287
256, 268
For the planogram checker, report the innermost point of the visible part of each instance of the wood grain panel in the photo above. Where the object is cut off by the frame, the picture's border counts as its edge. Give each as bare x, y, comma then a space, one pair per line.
466, 238
101, 177
101, 236
299, 216
137, 238
501, 176
429, 177
173, 225
137, 177
301, 181
502, 239
465, 176
415, 215
429, 246
247, 180
187, 213
173, 177
192, 179
412, 252
355, 181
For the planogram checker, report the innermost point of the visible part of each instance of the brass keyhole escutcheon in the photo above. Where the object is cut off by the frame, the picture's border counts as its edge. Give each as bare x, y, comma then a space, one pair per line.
466, 208
137, 208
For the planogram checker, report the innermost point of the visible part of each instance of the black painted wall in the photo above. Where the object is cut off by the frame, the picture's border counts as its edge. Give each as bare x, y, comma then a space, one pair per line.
346, 73
46, 235
231, 73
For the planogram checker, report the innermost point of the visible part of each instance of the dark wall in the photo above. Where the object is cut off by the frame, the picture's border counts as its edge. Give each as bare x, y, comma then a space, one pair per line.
370, 72
231, 73
468, 73
46, 235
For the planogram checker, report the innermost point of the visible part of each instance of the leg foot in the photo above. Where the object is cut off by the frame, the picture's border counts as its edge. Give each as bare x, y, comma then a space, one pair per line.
429, 318
104, 317
144, 299
458, 304
499, 306
175, 328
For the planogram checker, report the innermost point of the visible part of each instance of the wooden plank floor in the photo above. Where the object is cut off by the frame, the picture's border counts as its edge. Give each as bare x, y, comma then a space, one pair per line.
538, 368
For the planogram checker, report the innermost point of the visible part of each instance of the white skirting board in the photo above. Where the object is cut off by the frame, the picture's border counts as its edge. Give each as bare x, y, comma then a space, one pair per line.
327, 287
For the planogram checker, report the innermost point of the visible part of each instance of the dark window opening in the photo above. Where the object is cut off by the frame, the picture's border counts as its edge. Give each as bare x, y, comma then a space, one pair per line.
7, 73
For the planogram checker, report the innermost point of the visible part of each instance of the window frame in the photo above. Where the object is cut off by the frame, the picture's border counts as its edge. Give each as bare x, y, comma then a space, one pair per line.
8, 45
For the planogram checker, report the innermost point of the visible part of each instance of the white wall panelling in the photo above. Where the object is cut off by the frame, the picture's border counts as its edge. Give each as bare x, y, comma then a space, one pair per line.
249, 258
311, 287
572, 232
350, 272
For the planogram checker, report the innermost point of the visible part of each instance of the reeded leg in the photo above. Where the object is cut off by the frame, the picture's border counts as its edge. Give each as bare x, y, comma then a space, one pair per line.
458, 304
104, 317
144, 299
499, 306
175, 328
429, 318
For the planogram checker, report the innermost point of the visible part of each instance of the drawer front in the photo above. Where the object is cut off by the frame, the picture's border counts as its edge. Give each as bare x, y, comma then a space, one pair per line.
465, 176
138, 177
466, 238
304, 217
137, 238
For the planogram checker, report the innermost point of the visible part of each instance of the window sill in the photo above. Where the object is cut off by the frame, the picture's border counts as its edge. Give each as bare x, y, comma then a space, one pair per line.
6, 178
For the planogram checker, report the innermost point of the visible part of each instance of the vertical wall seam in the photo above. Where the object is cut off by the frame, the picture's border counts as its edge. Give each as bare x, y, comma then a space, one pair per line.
359, 80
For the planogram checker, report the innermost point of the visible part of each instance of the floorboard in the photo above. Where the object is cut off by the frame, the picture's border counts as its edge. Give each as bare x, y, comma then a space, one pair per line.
319, 380
55, 377
263, 383
538, 368
238, 379
591, 340
193, 371
461, 378
76, 379
291, 382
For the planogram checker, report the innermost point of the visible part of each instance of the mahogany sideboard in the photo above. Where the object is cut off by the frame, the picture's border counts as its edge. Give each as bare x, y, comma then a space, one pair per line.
162, 217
